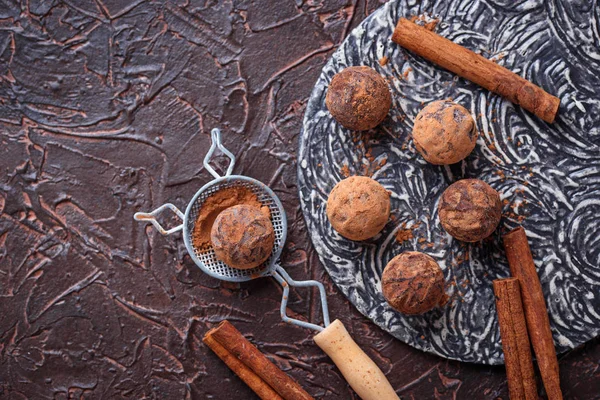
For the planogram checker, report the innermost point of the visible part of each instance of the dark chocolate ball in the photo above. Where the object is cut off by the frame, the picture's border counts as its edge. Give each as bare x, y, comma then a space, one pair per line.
413, 283
358, 207
470, 210
242, 237
358, 98
444, 132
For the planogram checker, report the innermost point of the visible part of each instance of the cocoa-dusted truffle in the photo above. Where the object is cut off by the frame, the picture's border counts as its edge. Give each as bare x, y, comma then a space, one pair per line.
215, 204
358, 207
358, 98
470, 210
242, 237
444, 132
413, 283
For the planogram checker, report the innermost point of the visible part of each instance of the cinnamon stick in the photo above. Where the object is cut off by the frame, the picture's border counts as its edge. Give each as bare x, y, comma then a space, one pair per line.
260, 387
522, 267
235, 343
515, 341
476, 68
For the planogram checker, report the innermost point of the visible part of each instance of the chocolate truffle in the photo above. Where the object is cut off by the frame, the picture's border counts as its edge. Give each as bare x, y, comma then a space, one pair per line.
215, 204
358, 98
413, 283
444, 132
358, 207
470, 210
242, 237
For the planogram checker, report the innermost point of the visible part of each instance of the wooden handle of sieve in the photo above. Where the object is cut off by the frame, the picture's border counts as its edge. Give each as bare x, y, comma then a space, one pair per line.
363, 375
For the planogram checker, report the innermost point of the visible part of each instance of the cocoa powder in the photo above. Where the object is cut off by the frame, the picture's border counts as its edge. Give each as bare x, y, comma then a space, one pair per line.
215, 204
404, 234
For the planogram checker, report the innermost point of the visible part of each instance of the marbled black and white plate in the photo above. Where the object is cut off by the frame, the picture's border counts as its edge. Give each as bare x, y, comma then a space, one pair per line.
549, 175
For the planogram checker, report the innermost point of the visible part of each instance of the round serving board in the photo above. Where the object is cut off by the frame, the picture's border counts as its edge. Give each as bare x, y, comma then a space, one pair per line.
548, 175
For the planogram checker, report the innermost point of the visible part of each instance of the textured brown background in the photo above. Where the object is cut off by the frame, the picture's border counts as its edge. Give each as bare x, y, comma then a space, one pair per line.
105, 110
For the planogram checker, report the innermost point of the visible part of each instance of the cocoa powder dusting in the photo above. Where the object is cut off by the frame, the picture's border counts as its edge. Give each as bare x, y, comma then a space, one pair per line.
427, 21
404, 234
215, 204
369, 163
345, 171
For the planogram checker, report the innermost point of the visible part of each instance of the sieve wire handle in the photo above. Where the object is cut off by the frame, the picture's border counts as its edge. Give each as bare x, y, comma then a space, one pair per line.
286, 281
215, 136
151, 217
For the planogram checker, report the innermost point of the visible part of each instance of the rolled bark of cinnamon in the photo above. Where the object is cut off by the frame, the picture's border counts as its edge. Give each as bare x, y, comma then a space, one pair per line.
476, 68
522, 267
235, 343
515, 341
259, 386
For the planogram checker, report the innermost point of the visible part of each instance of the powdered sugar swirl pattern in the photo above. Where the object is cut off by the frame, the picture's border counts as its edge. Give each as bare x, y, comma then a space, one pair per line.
549, 175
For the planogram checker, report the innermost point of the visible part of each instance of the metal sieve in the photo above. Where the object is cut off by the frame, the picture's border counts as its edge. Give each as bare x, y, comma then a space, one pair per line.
205, 258
359, 370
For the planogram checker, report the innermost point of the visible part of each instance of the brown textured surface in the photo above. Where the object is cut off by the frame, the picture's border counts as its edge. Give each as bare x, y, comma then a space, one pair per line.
413, 283
242, 237
106, 109
444, 132
470, 210
358, 98
358, 207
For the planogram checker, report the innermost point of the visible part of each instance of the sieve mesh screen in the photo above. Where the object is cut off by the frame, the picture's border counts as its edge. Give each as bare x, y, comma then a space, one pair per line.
207, 255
